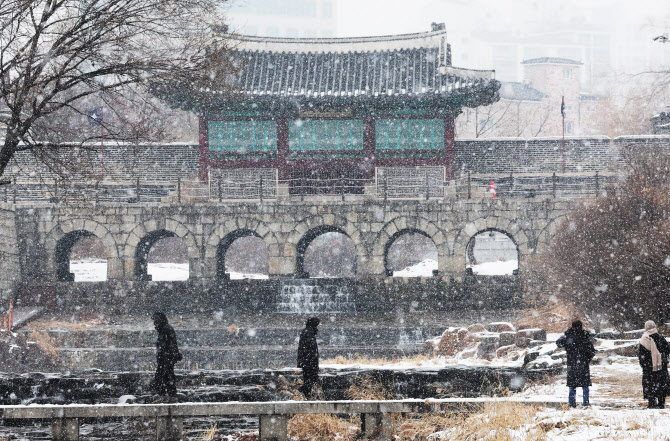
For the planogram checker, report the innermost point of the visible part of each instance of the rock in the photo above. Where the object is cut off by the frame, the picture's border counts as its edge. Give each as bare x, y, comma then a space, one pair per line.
628, 350
531, 356
477, 327
500, 327
488, 343
521, 340
455, 340
633, 335
507, 338
533, 334
609, 335
535, 343
505, 351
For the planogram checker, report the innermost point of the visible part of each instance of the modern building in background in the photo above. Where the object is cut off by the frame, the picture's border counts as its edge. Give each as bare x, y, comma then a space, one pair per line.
532, 107
284, 18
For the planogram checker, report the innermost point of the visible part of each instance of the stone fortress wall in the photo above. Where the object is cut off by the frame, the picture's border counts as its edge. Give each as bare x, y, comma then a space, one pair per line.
483, 156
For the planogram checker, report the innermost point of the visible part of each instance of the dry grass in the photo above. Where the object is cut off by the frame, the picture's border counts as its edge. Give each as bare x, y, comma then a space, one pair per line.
361, 359
323, 427
45, 342
78, 324
368, 388
552, 317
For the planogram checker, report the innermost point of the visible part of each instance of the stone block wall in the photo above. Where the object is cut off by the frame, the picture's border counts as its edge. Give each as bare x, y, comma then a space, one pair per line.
536, 155
484, 156
10, 268
122, 163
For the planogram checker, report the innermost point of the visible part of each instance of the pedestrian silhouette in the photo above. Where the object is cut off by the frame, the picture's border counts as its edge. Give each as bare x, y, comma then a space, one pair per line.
308, 355
167, 355
579, 348
653, 356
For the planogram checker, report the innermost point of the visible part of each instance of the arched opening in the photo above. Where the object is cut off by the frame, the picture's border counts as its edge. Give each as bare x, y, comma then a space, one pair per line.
162, 256
243, 254
326, 252
81, 257
492, 253
410, 253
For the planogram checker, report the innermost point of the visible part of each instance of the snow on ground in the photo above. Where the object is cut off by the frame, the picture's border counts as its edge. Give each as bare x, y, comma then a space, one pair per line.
496, 268
422, 269
238, 276
89, 270
95, 270
168, 271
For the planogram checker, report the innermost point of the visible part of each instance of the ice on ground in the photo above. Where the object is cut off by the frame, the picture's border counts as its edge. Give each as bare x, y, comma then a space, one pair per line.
501, 268
168, 271
422, 269
89, 270
239, 276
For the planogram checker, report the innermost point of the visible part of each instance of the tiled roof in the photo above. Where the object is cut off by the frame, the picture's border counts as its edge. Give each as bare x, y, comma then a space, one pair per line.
520, 91
387, 73
551, 60
345, 71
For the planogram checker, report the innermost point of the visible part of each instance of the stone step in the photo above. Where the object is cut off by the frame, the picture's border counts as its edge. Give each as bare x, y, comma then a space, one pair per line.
218, 357
245, 337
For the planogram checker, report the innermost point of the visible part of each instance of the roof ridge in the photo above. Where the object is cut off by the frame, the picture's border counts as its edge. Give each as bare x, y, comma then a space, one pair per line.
421, 40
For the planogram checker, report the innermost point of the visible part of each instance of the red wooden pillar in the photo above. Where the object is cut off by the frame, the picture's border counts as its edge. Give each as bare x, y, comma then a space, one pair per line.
283, 168
204, 149
369, 144
449, 144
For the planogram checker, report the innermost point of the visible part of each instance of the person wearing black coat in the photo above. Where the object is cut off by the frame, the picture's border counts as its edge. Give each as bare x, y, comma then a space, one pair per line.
579, 348
653, 356
167, 355
308, 355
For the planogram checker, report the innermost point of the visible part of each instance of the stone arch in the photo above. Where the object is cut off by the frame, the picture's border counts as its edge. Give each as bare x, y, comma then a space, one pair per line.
78, 229
225, 244
471, 242
437, 234
389, 243
168, 228
227, 226
347, 228
307, 239
62, 253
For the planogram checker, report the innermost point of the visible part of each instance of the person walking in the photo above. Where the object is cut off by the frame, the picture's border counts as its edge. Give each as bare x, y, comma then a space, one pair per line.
579, 347
308, 355
167, 355
653, 355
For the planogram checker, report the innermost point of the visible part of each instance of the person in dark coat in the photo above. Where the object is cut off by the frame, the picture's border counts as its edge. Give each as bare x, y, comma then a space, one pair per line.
653, 355
579, 347
167, 355
308, 355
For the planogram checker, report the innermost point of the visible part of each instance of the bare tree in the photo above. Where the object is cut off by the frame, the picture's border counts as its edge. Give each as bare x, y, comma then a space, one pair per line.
612, 257
56, 55
507, 118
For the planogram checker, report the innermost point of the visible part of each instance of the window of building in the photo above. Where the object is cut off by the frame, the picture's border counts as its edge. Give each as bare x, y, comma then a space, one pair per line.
567, 72
326, 9
568, 128
242, 136
409, 134
326, 134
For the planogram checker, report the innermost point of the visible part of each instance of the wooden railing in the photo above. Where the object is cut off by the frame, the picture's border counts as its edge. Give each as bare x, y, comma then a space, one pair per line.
7, 322
273, 416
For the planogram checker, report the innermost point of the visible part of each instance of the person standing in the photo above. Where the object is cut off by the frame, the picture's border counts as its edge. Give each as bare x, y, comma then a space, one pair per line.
579, 348
653, 356
167, 355
308, 355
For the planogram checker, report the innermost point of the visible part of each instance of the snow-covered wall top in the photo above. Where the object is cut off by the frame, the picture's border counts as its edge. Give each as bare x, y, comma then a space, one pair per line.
167, 162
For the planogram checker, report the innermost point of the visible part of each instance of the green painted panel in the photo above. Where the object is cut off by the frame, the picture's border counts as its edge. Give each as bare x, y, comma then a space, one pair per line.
325, 134
409, 134
242, 136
